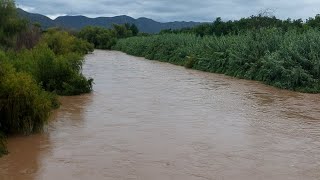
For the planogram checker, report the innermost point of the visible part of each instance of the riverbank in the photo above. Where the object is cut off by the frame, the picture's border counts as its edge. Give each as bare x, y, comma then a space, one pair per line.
287, 60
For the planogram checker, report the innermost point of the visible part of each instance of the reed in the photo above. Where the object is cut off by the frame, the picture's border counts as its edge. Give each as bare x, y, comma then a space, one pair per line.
288, 60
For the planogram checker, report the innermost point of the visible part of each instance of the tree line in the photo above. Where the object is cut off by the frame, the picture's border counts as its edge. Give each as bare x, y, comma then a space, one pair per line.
235, 27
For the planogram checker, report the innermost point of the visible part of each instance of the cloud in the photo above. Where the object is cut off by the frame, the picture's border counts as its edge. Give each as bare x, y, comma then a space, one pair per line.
26, 8
171, 10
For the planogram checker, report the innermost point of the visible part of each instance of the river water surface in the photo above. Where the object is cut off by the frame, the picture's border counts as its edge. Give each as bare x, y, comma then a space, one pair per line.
148, 120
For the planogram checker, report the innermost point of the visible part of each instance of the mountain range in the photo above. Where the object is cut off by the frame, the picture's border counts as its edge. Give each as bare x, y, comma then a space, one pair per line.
77, 22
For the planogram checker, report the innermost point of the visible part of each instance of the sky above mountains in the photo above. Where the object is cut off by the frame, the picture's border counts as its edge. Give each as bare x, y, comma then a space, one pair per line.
173, 10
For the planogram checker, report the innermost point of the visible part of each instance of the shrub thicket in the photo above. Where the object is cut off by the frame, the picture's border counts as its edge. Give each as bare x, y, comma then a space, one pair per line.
56, 63
62, 42
34, 68
24, 106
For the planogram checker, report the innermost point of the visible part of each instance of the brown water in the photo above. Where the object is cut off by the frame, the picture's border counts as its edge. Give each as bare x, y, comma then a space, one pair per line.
148, 120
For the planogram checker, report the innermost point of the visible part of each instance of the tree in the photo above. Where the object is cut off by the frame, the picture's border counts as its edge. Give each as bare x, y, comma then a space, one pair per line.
10, 24
314, 22
134, 29
28, 38
122, 31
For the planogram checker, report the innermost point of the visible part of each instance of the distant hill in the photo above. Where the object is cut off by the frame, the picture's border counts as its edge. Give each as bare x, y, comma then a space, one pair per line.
77, 22
43, 20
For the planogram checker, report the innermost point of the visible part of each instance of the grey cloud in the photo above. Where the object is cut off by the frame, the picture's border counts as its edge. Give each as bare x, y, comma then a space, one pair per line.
171, 10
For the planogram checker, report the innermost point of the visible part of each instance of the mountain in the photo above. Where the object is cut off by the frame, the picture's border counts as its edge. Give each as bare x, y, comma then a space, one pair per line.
43, 20
77, 22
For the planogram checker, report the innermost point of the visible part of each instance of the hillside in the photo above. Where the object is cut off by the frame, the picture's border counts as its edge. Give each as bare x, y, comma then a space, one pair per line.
77, 22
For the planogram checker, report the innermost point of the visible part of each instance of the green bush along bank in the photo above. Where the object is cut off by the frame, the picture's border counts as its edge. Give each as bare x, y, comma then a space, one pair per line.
35, 67
288, 60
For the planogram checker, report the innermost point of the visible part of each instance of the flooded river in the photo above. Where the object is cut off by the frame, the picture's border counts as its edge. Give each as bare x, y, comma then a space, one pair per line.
148, 120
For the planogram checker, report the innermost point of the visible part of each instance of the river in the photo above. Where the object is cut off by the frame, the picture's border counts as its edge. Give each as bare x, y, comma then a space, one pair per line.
148, 120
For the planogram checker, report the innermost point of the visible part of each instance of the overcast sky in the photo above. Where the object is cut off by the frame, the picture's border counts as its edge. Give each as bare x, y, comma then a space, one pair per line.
172, 10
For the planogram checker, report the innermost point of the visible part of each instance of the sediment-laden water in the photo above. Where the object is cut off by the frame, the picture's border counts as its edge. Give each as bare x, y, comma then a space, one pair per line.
150, 120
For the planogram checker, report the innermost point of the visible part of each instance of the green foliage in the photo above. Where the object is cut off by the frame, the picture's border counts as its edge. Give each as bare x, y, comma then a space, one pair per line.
61, 42
103, 38
55, 73
10, 24
34, 68
288, 60
100, 37
314, 22
261, 21
121, 31
134, 29
29, 80
24, 106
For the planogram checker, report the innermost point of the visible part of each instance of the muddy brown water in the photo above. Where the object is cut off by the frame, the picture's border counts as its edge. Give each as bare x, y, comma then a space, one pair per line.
148, 120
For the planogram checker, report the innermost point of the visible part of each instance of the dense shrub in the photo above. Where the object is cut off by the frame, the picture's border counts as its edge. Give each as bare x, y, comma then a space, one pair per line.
287, 60
61, 42
24, 106
55, 64
103, 38
100, 37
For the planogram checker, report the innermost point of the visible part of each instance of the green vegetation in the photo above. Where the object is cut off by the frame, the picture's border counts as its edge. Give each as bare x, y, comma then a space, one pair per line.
25, 107
35, 67
288, 60
281, 53
10, 24
56, 63
220, 28
103, 38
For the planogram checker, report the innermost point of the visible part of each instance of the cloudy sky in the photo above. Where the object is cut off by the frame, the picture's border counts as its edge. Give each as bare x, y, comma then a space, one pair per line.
172, 10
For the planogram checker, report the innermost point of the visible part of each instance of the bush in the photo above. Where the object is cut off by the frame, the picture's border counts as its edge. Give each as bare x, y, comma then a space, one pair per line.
61, 42
55, 73
24, 106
